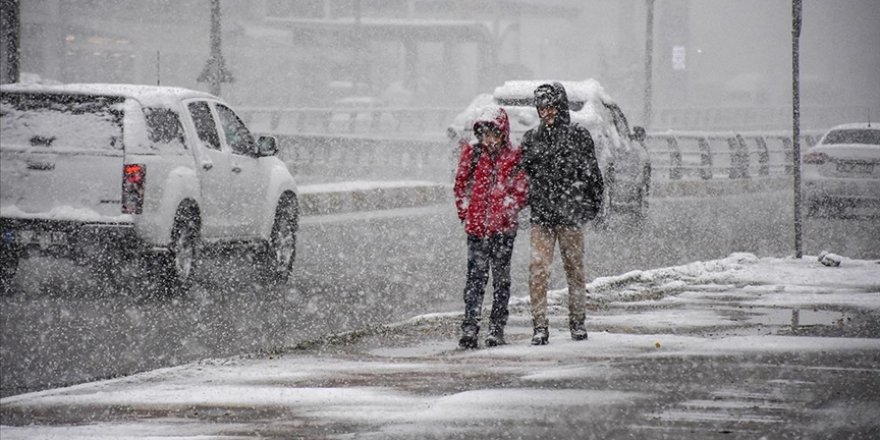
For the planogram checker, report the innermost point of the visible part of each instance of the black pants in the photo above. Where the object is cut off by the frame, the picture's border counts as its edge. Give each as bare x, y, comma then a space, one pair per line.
484, 254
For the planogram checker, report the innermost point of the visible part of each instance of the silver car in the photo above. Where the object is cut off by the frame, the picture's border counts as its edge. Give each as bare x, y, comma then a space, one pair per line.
841, 174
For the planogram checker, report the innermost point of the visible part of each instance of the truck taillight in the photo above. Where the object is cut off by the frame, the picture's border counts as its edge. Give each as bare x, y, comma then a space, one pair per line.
133, 179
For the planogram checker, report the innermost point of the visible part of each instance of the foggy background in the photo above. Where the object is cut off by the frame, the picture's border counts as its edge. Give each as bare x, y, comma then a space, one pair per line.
440, 54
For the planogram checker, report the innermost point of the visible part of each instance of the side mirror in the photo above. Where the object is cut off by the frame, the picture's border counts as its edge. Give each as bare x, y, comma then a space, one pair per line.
267, 146
639, 134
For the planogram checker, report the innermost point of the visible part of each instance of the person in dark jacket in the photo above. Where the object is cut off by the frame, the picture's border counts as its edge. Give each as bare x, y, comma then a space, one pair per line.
490, 190
565, 192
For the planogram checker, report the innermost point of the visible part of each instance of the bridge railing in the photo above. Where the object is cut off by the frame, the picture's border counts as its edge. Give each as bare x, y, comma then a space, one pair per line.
675, 156
683, 155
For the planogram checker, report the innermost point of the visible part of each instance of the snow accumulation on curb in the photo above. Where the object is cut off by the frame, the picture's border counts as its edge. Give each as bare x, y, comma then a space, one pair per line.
809, 277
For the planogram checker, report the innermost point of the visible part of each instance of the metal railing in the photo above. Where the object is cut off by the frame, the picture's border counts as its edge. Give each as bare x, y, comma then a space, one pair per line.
409, 143
682, 155
675, 156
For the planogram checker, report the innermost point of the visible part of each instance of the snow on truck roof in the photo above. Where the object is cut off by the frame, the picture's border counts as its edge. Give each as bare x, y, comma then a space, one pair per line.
147, 95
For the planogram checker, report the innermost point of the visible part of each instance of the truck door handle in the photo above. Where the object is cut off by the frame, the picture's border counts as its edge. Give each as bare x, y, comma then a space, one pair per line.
236, 170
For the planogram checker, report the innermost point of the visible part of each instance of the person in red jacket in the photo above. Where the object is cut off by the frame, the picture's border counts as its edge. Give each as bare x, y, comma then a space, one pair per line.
490, 190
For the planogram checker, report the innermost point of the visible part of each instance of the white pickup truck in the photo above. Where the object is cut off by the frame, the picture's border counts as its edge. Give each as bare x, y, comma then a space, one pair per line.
103, 173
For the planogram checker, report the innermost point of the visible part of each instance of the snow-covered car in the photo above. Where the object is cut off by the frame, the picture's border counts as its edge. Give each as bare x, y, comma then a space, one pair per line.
842, 171
623, 158
111, 173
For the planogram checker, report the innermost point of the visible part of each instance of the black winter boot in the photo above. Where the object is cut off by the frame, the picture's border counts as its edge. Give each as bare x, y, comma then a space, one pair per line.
578, 330
496, 336
541, 337
468, 336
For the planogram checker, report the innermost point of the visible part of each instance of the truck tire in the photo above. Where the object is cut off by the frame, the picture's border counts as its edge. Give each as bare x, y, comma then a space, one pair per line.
276, 258
644, 203
175, 268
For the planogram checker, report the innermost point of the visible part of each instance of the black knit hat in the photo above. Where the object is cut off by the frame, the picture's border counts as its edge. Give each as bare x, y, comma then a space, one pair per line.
550, 95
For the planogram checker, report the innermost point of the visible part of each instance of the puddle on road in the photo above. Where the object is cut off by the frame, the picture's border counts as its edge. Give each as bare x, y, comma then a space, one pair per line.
799, 317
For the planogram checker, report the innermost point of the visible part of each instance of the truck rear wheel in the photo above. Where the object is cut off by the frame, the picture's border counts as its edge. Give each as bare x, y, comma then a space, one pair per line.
176, 267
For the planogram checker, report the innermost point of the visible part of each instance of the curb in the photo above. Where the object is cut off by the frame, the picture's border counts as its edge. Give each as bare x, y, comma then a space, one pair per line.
372, 199
719, 187
315, 200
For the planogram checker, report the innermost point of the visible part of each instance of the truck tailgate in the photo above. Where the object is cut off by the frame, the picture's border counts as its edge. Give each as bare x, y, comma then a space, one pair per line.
73, 185
61, 156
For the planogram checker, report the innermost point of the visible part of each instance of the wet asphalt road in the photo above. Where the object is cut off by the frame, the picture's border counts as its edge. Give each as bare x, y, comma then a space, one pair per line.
62, 326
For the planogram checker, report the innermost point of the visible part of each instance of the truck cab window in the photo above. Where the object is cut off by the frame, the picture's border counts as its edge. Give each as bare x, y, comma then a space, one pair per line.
238, 137
163, 126
204, 123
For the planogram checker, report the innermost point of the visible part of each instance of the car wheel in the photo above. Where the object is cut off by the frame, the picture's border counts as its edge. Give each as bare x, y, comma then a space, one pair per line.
604, 216
9, 258
176, 268
644, 196
279, 253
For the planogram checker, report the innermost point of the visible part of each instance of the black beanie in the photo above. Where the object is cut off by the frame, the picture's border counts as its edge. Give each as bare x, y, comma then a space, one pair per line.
550, 95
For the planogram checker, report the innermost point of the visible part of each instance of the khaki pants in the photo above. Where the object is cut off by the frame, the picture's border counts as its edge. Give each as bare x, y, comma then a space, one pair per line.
571, 246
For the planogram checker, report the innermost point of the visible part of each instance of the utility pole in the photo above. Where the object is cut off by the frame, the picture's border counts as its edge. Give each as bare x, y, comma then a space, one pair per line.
647, 114
10, 26
215, 72
796, 121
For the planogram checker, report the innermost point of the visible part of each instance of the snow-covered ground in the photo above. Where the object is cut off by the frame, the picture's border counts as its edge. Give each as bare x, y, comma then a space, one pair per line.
682, 326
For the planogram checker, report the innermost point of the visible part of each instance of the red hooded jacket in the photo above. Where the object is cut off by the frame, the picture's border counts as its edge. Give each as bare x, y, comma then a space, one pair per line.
489, 196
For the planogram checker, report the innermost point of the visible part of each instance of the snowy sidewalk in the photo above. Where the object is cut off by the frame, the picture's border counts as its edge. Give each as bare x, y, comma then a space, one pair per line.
742, 347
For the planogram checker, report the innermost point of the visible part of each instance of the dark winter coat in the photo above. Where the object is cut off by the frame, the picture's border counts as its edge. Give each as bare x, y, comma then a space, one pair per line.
565, 182
490, 194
